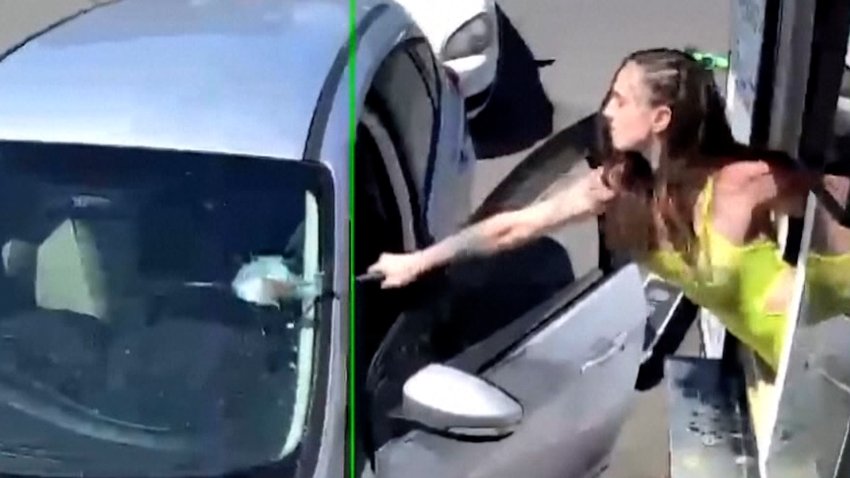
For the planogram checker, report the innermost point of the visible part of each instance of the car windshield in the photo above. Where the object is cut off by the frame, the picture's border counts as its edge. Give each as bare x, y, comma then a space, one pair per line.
157, 310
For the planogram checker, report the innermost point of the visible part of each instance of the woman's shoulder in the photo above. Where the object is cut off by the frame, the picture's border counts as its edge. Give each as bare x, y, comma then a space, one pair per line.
757, 166
735, 174
765, 177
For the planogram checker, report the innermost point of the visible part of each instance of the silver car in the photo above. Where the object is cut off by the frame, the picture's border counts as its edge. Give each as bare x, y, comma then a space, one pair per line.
166, 166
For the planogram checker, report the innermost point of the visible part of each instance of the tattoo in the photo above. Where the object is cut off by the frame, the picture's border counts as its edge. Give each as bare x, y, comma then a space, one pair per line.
470, 243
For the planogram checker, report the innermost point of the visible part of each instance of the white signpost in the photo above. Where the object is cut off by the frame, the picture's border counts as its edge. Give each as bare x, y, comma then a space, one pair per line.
747, 35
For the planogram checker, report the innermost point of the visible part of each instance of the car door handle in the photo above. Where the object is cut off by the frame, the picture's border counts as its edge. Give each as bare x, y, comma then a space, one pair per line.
618, 344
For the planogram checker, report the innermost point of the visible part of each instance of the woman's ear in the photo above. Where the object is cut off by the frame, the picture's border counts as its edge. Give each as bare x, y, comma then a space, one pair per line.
661, 116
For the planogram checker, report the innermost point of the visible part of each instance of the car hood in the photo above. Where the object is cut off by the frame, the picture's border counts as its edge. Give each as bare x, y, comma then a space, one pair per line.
230, 77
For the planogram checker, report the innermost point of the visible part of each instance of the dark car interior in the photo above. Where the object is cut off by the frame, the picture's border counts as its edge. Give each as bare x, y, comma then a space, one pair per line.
117, 319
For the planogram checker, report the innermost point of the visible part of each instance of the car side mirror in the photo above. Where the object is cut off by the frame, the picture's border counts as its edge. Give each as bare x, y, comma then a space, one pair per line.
449, 400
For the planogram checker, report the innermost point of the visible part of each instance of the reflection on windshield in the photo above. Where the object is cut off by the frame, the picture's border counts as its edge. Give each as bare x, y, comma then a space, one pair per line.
156, 311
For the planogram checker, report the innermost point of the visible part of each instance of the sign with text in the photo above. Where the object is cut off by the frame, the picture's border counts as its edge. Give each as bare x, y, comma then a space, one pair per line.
747, 38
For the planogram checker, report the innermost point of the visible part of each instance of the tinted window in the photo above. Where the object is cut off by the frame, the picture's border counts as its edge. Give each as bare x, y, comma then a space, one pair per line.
146, 319
493, 292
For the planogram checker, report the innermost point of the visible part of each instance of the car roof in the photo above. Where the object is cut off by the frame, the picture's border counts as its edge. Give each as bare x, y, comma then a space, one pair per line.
224, 76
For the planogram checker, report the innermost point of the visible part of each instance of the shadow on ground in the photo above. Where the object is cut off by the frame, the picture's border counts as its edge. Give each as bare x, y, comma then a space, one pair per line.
519, 112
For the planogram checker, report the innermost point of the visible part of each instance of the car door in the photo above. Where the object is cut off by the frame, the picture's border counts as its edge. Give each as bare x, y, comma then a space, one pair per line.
425, 113
565, 350
570, 363
414, 121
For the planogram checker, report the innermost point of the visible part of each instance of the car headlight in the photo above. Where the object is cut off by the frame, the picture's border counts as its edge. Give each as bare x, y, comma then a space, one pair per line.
472, 38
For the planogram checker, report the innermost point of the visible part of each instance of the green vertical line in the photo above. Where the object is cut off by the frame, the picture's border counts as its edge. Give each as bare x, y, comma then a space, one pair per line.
352, 131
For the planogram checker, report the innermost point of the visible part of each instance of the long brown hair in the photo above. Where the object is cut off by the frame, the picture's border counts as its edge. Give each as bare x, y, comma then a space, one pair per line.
654, 207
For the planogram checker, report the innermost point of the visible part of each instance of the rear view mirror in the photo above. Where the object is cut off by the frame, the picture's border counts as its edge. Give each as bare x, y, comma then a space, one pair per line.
449, 400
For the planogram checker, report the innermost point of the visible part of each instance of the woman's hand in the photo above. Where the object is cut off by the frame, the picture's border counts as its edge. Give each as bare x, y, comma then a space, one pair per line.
398, 270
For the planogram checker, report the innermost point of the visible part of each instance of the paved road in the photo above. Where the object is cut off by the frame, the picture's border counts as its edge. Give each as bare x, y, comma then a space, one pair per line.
20, 18
578, 45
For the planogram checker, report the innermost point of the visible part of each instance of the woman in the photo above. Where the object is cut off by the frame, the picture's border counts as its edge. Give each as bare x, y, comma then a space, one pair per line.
678, 193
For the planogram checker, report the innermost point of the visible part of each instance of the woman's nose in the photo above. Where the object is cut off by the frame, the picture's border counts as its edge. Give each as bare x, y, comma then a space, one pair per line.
606, 111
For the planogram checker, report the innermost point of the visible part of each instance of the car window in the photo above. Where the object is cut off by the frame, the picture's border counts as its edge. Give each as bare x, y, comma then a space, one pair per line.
491, 293
163, 302
486, 304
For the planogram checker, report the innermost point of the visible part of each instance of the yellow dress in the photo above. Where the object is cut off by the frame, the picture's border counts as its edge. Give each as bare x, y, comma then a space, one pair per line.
828, 285
732, 281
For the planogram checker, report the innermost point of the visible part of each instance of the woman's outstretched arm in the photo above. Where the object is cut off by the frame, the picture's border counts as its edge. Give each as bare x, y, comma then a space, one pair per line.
585, 198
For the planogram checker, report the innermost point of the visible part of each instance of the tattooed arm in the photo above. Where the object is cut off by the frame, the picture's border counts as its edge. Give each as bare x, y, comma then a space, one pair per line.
585, 198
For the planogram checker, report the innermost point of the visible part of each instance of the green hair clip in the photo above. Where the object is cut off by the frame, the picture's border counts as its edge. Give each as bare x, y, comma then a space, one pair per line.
711, 61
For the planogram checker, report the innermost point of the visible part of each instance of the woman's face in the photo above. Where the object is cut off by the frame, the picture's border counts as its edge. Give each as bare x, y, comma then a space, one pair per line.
635, 124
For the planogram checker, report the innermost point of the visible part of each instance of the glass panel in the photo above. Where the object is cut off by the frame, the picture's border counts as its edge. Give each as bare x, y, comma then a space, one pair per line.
815, 403
156, 310
814, 409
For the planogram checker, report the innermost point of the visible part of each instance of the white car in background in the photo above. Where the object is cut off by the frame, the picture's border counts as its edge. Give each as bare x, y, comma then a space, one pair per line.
464, 34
